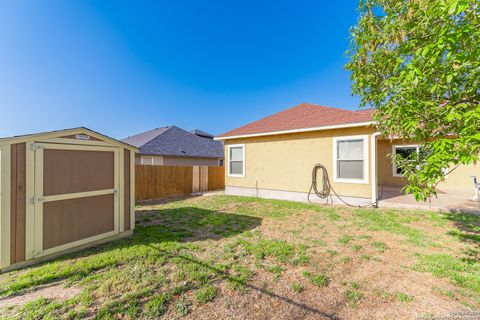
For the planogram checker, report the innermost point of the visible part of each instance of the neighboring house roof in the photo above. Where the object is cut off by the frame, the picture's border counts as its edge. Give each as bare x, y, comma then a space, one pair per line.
202, 134
174, 141
143, 138
302, 116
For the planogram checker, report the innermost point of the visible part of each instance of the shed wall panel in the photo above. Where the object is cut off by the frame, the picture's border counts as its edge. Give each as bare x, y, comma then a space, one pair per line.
75, 219
18, 202
64, 171
126, 198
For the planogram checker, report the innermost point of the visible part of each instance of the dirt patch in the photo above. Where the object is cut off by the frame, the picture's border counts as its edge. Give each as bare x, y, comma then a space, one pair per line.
57, 291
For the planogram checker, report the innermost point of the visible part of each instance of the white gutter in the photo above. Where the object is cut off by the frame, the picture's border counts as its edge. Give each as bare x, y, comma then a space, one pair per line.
338, 126
373, 148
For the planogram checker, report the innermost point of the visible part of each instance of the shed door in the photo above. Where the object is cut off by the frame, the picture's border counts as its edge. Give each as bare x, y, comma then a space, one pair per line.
76, 198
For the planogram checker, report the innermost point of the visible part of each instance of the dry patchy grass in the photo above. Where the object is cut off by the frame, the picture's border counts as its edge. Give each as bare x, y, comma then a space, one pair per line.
229, 257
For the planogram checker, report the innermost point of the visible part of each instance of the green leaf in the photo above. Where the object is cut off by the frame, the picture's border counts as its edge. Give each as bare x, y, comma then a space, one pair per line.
461, 8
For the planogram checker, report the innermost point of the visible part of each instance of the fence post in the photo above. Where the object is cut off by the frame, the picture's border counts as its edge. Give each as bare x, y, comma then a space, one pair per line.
196, 179
203, 178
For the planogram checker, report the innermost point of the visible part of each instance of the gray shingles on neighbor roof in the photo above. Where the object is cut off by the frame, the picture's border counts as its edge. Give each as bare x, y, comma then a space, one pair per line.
141, 139
174, 141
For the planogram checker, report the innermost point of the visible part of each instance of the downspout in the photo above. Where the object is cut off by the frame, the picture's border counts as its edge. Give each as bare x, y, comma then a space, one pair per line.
373, 143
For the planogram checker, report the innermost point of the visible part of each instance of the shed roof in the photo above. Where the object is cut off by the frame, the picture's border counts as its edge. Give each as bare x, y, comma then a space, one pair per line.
174, 141
64, 132
302, 116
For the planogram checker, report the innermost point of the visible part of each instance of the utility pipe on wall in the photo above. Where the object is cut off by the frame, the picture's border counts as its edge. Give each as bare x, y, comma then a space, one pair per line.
373, 149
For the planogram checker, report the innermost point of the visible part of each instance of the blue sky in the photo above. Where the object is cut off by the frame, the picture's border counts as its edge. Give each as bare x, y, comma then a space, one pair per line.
121, 67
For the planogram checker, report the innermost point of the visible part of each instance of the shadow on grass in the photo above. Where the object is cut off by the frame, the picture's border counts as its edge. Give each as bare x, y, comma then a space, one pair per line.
196, 224
169, 228
161, 237
467, 228
467, 222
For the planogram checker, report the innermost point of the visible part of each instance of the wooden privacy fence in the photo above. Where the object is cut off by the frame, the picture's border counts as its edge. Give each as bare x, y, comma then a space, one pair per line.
155, 182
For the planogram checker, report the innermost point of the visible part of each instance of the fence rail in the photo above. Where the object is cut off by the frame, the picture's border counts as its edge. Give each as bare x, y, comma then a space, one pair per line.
155, 182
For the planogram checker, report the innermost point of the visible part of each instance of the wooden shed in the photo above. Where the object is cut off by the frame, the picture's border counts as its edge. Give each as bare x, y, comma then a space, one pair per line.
62, 191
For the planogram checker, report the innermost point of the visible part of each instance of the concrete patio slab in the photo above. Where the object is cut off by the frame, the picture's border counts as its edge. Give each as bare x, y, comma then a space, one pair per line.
448, 201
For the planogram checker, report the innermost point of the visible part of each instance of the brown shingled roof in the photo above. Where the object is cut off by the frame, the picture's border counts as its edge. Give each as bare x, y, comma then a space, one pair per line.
302, 116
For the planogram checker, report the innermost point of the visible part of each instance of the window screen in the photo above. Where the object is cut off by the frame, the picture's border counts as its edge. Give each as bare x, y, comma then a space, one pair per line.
236, 160
350, 161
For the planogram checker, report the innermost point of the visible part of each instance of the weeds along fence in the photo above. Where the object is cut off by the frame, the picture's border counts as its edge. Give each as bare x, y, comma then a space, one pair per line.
156, 182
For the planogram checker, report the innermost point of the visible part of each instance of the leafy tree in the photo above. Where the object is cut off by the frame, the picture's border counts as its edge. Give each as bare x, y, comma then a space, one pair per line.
418, 63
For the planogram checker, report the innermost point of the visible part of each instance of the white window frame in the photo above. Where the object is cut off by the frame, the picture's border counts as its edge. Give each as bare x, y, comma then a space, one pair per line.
243, 160
394, 151
143, 160
366, 163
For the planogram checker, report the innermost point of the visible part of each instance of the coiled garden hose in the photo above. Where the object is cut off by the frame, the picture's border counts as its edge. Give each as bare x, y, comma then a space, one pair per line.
325, 191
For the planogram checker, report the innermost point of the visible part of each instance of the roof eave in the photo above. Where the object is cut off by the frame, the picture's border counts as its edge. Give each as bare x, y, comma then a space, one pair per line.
271, 133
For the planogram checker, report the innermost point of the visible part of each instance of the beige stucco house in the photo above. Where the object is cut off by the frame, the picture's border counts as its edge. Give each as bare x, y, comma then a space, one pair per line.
273, 157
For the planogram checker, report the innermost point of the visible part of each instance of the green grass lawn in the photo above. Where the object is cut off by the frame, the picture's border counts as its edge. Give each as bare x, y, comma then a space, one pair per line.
234, 257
